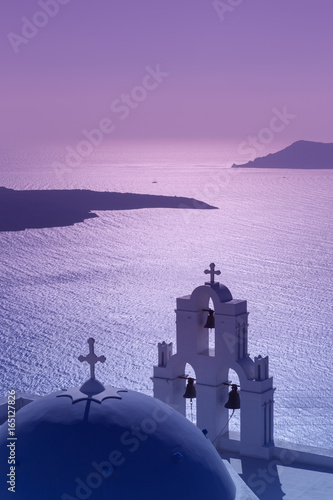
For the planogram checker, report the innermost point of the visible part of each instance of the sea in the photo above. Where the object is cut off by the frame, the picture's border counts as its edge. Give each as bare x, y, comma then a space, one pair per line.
116, 277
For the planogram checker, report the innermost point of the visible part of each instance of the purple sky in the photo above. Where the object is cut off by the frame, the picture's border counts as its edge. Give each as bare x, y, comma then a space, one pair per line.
225, 75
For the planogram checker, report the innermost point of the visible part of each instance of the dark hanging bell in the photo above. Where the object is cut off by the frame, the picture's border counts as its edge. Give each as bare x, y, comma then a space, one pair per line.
190, 392
210, 323
233, 402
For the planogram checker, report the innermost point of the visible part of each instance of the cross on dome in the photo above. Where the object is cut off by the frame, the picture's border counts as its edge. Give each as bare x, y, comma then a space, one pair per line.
91, 358
212, 272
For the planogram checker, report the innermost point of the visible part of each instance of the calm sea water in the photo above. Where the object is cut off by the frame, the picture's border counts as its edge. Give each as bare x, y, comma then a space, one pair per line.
117, 277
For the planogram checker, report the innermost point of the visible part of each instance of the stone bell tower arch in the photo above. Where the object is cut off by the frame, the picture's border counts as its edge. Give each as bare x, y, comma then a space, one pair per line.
212, 366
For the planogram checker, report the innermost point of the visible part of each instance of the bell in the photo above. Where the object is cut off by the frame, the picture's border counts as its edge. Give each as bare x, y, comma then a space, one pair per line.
210, 323
233, 402
190, 392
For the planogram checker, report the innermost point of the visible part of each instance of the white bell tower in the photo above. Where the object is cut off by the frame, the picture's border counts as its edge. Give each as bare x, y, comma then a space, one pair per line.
212, 366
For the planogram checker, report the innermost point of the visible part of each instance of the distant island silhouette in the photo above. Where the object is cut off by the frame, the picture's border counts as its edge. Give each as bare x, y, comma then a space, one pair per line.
21, 210
300, 154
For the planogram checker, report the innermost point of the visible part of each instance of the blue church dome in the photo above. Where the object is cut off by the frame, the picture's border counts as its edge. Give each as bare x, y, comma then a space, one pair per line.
113, 444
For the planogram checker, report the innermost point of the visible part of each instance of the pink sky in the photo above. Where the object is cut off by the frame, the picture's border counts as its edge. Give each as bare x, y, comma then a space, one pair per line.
225, 73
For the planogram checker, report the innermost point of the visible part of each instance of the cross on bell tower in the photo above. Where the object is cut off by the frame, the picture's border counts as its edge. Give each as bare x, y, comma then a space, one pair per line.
91, 358
212, 273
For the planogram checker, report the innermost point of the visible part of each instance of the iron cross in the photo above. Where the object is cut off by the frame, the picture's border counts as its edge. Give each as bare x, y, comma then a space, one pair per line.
212, 272
91, 358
